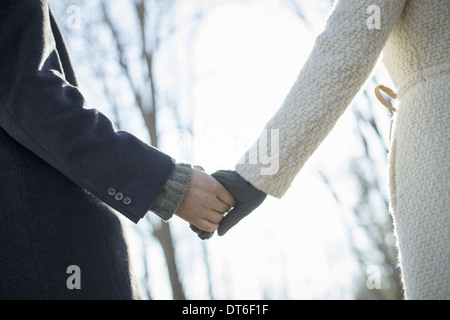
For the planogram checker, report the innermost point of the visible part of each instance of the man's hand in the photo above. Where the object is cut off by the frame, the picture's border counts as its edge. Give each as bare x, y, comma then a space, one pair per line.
206, 201
247, 199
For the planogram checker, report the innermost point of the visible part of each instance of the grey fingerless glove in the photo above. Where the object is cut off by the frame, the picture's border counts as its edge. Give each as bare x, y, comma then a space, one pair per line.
247, 197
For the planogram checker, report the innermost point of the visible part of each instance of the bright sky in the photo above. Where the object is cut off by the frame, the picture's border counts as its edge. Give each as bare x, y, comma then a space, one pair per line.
245, 57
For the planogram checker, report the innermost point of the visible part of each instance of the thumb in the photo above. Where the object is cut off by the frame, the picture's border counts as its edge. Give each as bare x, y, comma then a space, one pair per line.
248, 198
239, 212
230, 220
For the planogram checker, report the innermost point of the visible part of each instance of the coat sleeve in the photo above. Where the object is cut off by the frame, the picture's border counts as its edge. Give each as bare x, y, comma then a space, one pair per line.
342, 59
48, 114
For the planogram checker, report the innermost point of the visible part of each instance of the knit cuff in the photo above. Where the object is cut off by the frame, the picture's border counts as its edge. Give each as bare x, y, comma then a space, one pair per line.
168, 201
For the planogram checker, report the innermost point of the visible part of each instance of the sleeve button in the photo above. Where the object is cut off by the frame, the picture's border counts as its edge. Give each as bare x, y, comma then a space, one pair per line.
118, 196
127, 201
111, 191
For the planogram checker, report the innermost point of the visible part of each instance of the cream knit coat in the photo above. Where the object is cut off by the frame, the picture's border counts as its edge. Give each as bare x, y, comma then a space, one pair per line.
415, 37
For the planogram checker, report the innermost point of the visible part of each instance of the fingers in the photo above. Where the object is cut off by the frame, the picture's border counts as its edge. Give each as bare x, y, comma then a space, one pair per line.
220, 206
205, 203
225, 196
214, 217
210, 219
205, 225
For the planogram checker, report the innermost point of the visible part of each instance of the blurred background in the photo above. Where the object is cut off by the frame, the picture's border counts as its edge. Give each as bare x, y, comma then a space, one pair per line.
199, 79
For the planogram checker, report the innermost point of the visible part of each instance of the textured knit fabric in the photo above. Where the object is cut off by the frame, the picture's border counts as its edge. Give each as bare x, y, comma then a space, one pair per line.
173, 192
247, 197
415, 36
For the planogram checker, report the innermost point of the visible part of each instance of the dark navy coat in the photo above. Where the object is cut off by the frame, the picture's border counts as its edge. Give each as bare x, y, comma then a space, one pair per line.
65, 171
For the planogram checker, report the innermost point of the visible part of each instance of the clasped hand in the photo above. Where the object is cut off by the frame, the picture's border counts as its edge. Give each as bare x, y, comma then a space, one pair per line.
206, 201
